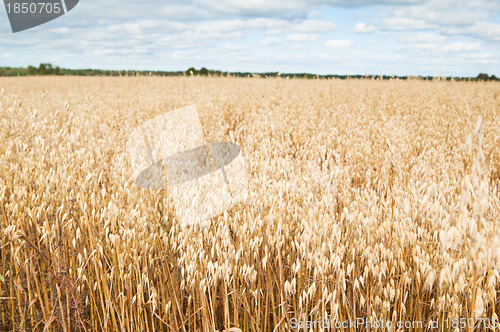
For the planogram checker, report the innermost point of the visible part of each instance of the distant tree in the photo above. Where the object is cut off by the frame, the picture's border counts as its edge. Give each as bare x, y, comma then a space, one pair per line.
493, 78
47, 69
191, 71
483, 77
42, 68
203, 71
32, 70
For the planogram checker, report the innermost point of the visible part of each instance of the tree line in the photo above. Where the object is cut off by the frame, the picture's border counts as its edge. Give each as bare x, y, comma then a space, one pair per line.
49, 69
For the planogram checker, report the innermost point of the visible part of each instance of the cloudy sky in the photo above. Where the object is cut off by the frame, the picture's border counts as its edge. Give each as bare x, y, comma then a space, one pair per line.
392, 37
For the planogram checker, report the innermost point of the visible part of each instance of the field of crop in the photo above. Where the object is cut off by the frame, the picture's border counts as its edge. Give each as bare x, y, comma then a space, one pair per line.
373, 200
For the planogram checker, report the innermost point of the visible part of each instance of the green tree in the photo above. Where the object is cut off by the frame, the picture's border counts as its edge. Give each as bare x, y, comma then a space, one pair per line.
47, 69
483, 77
191, 71
42, 68
203, 71
32, 70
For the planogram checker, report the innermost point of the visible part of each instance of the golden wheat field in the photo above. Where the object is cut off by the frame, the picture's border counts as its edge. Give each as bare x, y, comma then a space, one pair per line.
372, 205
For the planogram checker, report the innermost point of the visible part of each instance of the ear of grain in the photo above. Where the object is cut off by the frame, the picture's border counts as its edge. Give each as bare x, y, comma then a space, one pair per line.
368, 199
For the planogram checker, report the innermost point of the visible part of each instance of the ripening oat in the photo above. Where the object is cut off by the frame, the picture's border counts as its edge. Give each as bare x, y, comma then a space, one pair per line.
367, 199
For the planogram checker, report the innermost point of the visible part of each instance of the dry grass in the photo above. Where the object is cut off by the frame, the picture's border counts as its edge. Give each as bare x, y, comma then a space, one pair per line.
374, 199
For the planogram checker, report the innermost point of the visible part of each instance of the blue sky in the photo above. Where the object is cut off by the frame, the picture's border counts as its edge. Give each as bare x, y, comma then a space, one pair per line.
391, 37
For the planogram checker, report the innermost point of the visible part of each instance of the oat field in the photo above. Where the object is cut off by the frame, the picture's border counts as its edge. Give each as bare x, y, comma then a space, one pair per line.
368, 199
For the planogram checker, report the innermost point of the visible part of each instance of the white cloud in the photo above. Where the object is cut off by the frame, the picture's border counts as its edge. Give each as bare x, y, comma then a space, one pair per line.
431, 43
304, 26
8, 55
485, 30
285, 8
424, 46
278, 8
404, 23
184, 12
422, 41
61, 30
302, 37
423, 38
483, 58
454, 15
270, 41
362, 27
237, 48
314, 14
365, 3
239, 24
461, 47
339, 43
477, 18
314, 26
